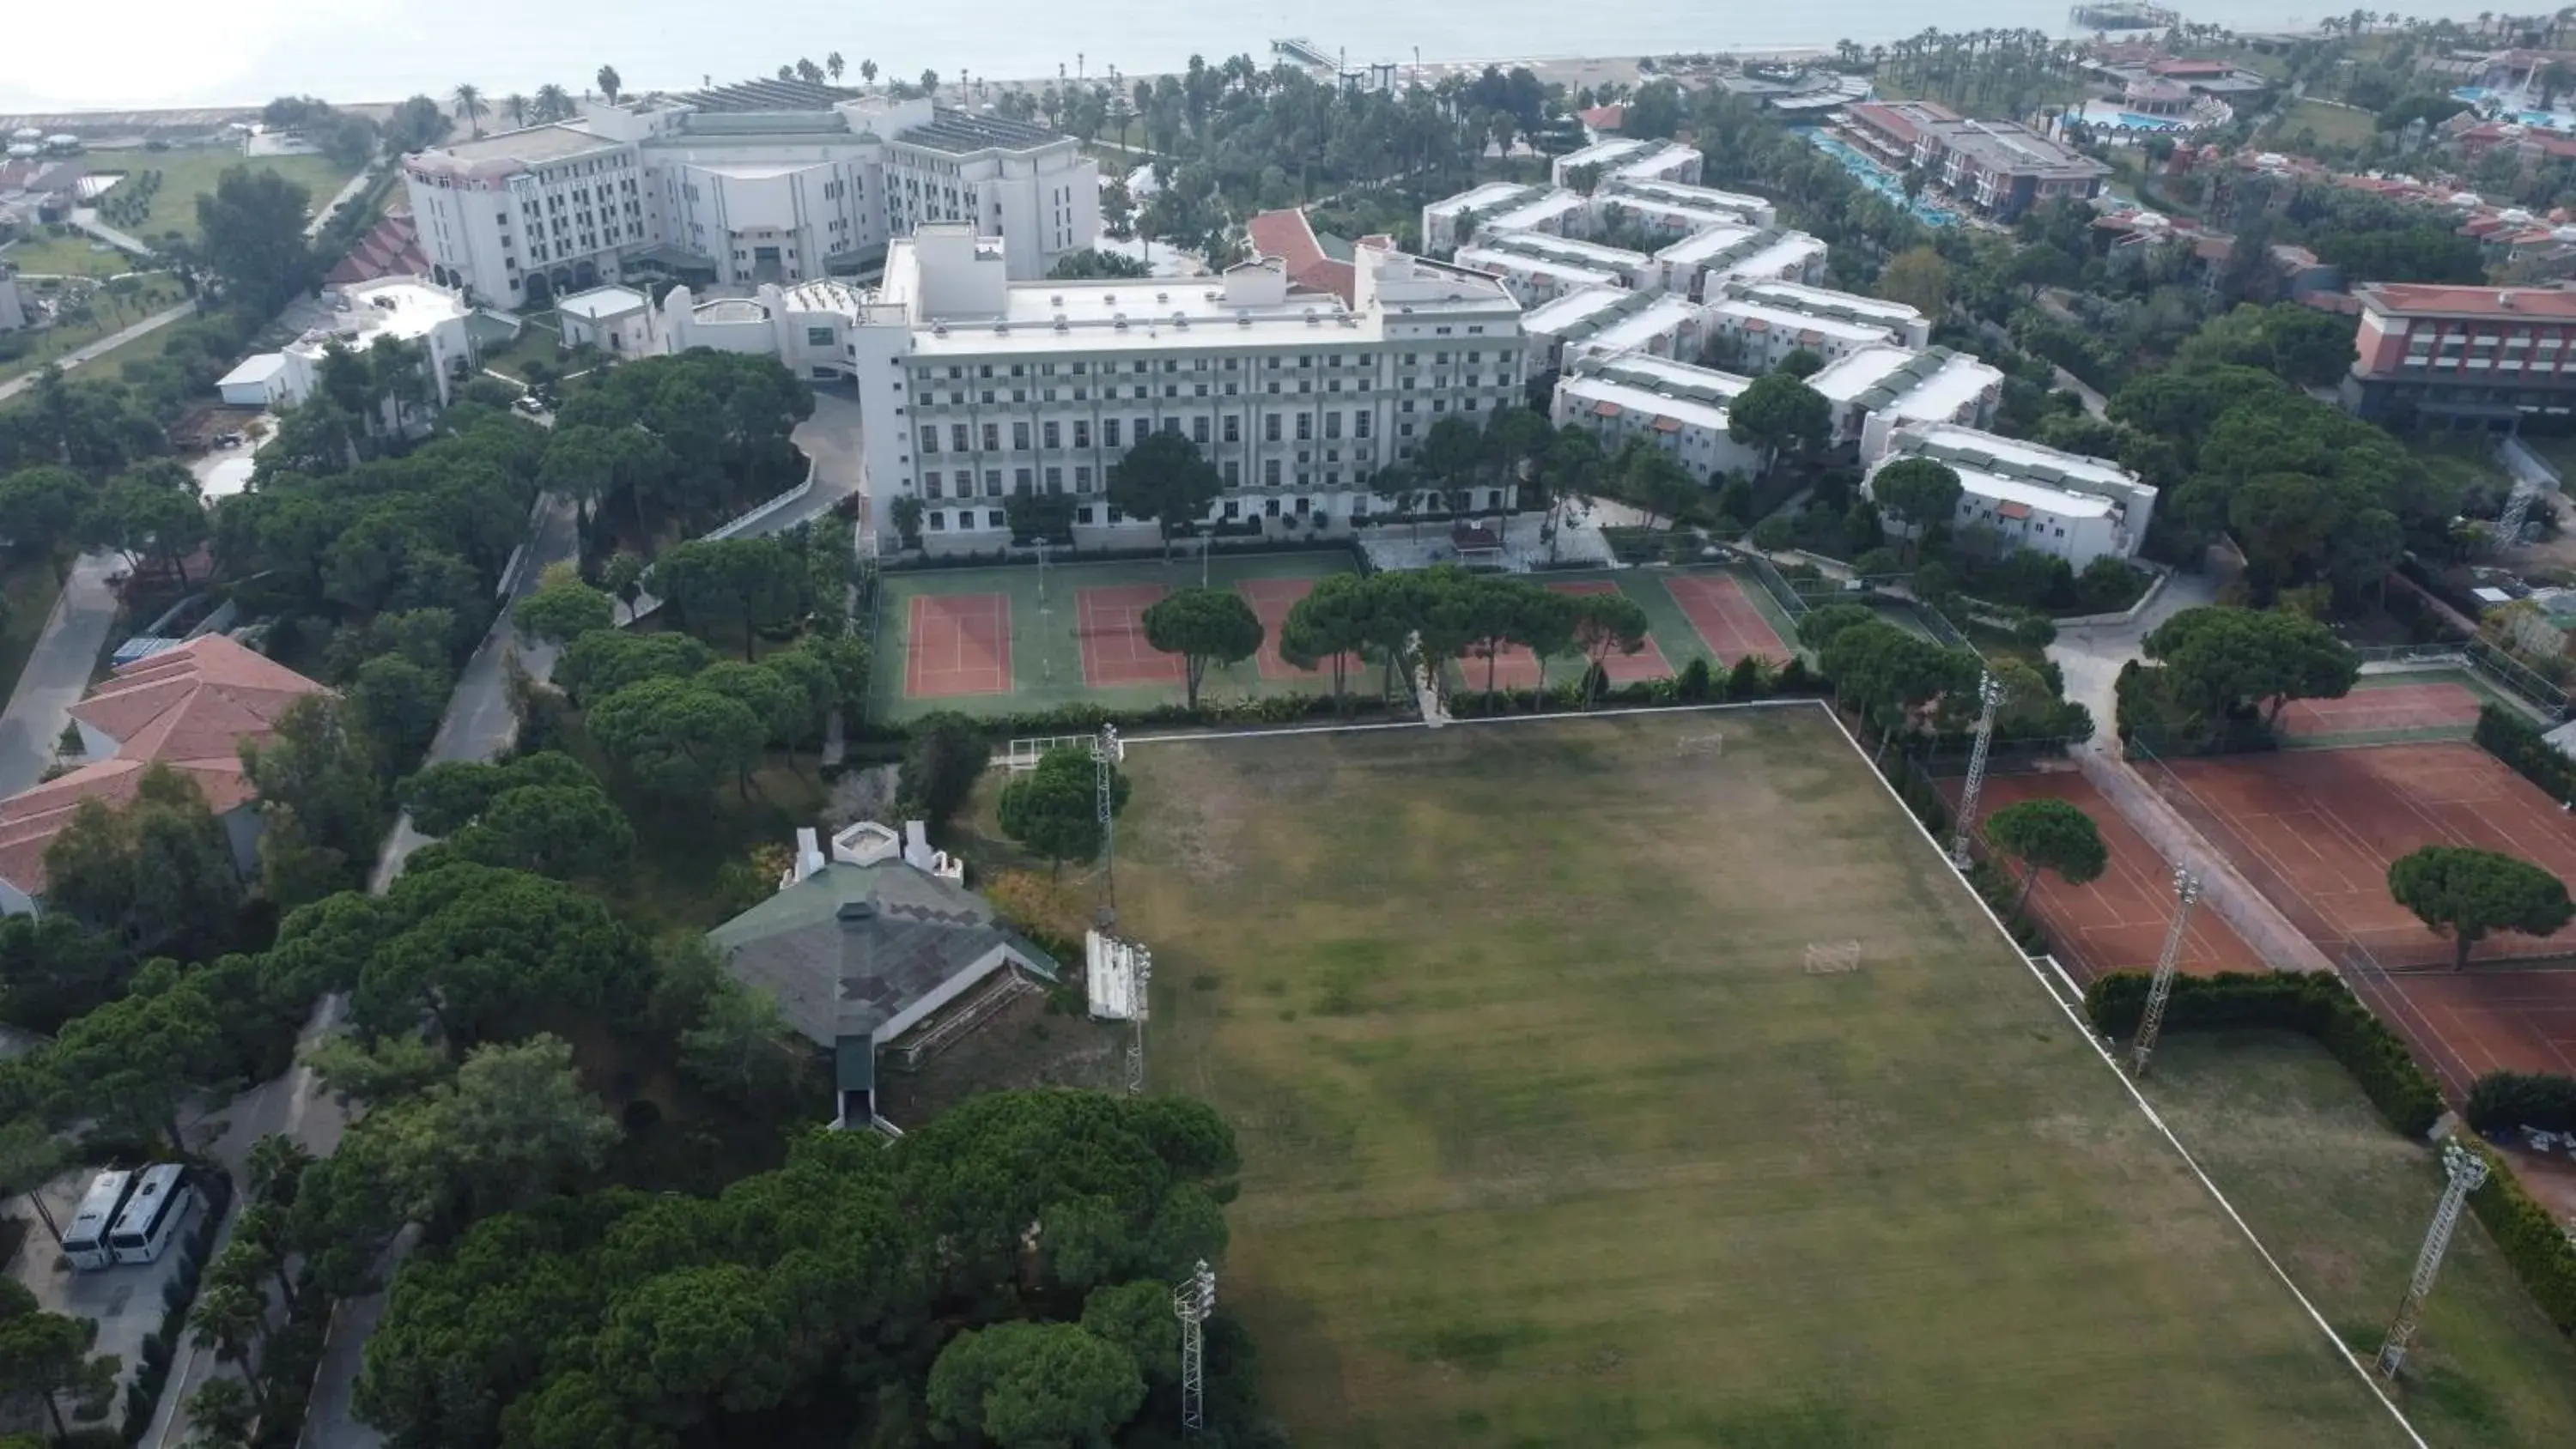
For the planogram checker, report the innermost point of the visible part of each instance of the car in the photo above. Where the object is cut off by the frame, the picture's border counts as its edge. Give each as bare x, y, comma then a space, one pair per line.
228, 440
529, 405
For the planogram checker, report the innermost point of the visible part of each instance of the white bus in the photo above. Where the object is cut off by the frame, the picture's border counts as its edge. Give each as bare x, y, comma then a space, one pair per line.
85, 1243
152, 1216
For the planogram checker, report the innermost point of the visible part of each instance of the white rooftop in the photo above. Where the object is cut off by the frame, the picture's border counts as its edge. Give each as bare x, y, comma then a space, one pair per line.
1536, 212
1558, 313
1794, 248
1597, 392
601, 302
1664, 153
2034, 495
1661, 317
1485, 258
1699, 247
1492, 193
1952, 439
400, 307
1690, 213
1646, 370
1933, 396
1601, 153
1164, 313
1798, 296
1682, 193
1566, 249
258, 368
1760, 318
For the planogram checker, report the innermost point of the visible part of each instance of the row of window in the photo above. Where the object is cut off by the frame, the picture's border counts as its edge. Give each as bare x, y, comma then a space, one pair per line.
1143, 365
1051, 434
938, 520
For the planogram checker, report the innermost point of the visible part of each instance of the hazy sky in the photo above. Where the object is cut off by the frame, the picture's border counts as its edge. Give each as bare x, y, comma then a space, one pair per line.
158, 53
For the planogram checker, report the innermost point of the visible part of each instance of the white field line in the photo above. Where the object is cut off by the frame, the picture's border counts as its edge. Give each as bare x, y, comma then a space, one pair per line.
2083, 1028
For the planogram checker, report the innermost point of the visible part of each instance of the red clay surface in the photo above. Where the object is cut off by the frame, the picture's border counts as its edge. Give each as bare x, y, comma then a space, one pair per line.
1516, 668
958, 644
2118, 921
2315, 830
1114, 651
2390, 707
1716, 606
1271, 599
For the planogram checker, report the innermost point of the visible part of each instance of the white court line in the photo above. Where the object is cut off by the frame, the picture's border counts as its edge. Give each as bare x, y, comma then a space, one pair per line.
2083, 1028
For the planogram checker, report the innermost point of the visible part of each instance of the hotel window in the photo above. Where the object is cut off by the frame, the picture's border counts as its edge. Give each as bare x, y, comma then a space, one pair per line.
996, 518
992, 437
930, 485
1270, 428
1022, 479
1269, 472
938, 521
929, 438
1198, 430
1233, 429
1108, 432
957, 436
1054, 435
1055, 480
1081, 433
1143, 426
1082, 479
1360, 424
1233, 478
1020, 437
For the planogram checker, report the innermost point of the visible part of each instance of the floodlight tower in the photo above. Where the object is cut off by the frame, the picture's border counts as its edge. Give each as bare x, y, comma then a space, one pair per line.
1990, 697
2467, 1171
1106, 752
2160, 989
1192, 1302
1144, 968
2517, 510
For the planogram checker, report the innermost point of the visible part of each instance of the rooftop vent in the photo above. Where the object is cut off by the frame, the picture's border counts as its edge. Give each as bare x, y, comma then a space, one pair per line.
1108, 299
1001, 326
1057, 300
1120, 321
853, 912
938, 329
1162, 296
1181, 320
1242, 319
1062, 325
2505, 300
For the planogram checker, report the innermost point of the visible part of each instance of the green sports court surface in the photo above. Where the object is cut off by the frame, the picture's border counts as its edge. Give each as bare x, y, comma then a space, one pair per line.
1016, 639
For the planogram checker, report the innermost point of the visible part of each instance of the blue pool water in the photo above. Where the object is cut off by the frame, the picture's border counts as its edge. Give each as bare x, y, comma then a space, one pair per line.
2480, 95
1876, 177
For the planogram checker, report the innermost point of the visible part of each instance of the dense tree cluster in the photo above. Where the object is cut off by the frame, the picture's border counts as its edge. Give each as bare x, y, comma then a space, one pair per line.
1000, 1276
677, 444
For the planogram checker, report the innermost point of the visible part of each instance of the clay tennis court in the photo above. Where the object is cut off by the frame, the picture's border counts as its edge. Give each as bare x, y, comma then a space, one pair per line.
957, 644
1271, 599
2437, 705
2118, 921
2314, 831
1717, 607
1515, 667
1114, 651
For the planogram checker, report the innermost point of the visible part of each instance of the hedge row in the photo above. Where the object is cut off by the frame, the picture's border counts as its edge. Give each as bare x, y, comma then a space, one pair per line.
197, 1249
2504, 1101
2532, 1241
2314, 1004
1251, 544
2516, 741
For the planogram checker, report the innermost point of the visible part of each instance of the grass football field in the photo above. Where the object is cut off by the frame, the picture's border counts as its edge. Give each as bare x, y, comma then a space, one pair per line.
1552, 1139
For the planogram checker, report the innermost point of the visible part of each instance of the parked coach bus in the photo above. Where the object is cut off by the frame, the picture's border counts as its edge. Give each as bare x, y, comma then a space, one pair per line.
153, 1214
85, 1242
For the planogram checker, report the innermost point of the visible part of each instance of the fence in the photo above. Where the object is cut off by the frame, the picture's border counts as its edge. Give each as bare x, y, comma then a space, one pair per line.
761, 510
2510, 676
1789, 599
2188, 832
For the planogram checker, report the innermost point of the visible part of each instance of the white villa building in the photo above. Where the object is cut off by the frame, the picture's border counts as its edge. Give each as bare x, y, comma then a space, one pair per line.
973, 385
1755, 209
1505, 250
1677, 407
1601, 320
770, 182
1440, 218
403, 309
1534, 278
1877, 390
1728, 253
2066, 504
1621, 158
1759, 336
1901, 325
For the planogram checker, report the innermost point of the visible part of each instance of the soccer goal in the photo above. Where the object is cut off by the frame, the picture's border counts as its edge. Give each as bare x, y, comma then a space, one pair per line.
1828, 958
1712, 743
1021, 756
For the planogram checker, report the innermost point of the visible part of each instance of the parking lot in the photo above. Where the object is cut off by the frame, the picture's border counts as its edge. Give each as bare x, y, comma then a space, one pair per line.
126, 1300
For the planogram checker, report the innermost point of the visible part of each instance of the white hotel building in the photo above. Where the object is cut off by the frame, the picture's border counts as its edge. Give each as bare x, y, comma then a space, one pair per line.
1677, 407
776, 182
973, 385
2066, 504
1876, 391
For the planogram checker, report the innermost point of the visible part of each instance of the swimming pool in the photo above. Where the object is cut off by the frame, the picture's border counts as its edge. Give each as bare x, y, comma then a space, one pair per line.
2481, 95
1876, 177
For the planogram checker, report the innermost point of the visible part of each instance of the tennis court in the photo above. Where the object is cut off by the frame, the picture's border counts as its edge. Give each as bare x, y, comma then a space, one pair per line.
1012, 639
1718, 606
1514, 667
2384, 708
1271, 599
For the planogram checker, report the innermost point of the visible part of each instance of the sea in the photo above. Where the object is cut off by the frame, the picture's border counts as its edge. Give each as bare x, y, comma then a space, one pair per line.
176, 53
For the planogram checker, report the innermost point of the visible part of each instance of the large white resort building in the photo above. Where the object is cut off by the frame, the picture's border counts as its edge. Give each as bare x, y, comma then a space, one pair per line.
779, 182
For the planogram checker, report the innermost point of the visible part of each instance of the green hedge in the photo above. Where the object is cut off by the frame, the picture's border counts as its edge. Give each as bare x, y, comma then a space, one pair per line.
2503, 1101
2532, 1240
2518, 742
2312, 1003
152, 1369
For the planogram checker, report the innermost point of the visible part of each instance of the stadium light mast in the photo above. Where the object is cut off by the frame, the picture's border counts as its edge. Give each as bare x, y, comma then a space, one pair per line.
1192, 1302
2467, 1171
1106, 752
2160, 989
1144, 967
2517, 511
1990, 697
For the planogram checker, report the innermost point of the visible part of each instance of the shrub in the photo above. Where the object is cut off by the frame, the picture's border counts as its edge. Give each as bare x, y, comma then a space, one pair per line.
1695, 684
2516, 741
2503, 1101
2314, 1004
2531, 1240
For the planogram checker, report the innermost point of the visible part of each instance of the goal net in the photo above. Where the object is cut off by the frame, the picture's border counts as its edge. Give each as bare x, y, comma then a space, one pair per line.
1712, 743
1826, 958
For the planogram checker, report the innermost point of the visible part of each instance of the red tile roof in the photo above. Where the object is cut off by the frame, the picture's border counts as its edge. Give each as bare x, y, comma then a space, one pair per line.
2415, 297
391, 249
191, 708
1287, 236
1604, 118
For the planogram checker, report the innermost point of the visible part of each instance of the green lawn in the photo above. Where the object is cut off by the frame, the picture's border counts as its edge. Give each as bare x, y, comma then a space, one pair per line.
187, 174
2333, 125
66, 253
1550, 1138
28, 589
26, 352
2342, 1201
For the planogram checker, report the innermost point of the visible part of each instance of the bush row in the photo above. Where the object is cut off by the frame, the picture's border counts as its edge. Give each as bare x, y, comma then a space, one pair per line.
2314, 1004
2531, 1239
2503, 1101
990, 558
1698, 683
1078, 719
2518, 742
195, 1251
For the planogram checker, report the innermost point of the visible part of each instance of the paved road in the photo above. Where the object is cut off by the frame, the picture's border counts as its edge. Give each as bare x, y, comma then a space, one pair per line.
57, 672
478, 726
2094, 402
322, 215
79, 355
2090, 657
86, 218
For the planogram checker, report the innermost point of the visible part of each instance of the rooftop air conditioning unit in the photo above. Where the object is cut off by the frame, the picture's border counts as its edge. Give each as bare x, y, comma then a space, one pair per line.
1181, 320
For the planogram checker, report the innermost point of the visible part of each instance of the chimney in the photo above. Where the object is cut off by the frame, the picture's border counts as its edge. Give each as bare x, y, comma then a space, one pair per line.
809, 853
2505, 300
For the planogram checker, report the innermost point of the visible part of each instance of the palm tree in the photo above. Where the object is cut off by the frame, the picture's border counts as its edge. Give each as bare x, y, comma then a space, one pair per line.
554, 103
867, 72
467, 101
515, 106
808, 72
608, 82
832, 63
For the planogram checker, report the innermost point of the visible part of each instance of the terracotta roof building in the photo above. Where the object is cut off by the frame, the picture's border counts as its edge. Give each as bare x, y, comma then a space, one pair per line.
191, 708
1288, 236
2488, 354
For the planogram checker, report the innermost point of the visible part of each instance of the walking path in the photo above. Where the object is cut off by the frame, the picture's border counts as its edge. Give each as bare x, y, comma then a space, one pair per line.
56, 673
86, 218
